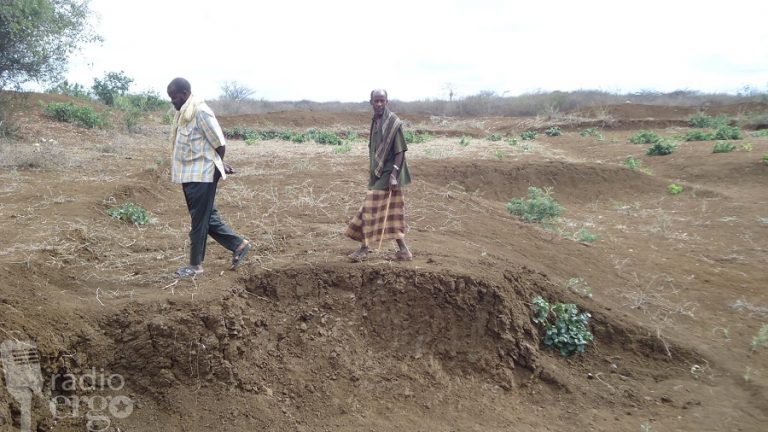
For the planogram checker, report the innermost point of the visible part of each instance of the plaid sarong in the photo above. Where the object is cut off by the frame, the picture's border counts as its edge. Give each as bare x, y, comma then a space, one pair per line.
368, 225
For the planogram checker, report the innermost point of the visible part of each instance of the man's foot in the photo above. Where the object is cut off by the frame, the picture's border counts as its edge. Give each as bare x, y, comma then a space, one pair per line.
403, 255
188, 272
240, 253
359, 255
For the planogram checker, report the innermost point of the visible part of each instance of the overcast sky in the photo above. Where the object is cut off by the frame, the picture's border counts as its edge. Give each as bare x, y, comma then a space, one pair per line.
338, 50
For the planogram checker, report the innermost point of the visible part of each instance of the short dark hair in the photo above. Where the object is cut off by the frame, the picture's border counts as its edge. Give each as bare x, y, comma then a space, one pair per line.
379, 91
180, 84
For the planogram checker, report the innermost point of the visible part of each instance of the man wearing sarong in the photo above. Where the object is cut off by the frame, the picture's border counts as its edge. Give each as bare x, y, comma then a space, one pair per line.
197, 162
382, 215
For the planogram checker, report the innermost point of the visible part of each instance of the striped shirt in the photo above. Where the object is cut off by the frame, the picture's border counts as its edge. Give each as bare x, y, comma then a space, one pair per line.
194, 151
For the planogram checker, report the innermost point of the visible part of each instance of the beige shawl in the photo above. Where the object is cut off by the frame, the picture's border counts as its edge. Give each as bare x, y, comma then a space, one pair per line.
390, 123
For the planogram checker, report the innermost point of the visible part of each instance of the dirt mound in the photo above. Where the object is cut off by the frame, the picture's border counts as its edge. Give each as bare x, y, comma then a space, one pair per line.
309, 119
571, 182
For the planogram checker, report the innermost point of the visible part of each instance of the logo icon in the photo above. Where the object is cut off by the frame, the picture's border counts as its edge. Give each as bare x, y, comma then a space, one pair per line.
23, 378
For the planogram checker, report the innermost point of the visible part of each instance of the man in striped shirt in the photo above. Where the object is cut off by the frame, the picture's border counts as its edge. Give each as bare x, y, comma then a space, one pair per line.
197, 163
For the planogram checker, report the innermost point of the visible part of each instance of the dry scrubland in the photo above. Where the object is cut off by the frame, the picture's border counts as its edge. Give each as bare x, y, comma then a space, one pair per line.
301, 340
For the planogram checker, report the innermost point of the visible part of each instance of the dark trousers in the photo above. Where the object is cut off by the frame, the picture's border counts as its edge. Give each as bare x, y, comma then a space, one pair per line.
206, 220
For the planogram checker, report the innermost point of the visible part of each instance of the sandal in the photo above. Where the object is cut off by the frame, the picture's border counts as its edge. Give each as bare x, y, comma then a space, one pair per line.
358, 256
239, 255
403, 256
187, 272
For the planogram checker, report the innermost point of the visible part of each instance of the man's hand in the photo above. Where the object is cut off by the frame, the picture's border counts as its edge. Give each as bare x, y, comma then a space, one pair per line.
228, 169
392, 181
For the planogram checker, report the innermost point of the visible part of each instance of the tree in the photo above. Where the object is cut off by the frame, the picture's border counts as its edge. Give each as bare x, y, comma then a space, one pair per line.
234, 91
38, 36
112, 85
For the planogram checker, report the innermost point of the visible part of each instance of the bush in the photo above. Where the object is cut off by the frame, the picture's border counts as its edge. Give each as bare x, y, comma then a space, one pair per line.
71, 113
416, 138
565, 329
324, 137
674, 189
553, 131
632, 163
644, 137
699, 136
464, 141
760, 133
112, 85
702, 120
723, 147
761, 339
765, 159
538, 207
661, 148
130, 212
585, 236
494, 137
344, 148
591, 132
528, 135
72, 90
728, 133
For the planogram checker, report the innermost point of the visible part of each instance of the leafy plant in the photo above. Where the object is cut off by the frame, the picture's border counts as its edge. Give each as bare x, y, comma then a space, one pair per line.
759, 133
511, 141
765, 159
747, 147
565, 329
591, 132
661, 148
538, 207
698, 135
760, 340
251, 141
528, 135
644, 137
499, 154
324, 137
585, 236
723, 147
674, 188
553, 131
702, 120
725, 132
579, 286
632, 163
129, 212
416, 138
112, 85
344, 148
70, 113
464, 141
494, 137
74, 90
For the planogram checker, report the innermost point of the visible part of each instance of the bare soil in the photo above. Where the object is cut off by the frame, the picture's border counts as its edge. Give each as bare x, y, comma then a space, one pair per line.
300, 339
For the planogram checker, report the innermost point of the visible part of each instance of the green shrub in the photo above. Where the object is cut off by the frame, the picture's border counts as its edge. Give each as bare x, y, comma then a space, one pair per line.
553, 131
747, 147
499, 154
723, 147
70, 113
765, 159
251, 141
464, 141
701, 120
591, 132
344, 148
644, 137
73, 90
698, 135
565, 329
494, 137
661, 148
416, 138
538, 207
324, 137
511, 141
130, 212
760, 340
674, 189
585, 236
528, 135
728, 133
760, 133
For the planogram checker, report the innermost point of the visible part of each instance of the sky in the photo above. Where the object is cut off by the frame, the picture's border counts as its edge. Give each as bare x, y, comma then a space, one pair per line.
338, 50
